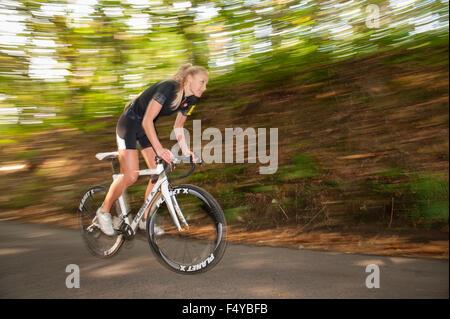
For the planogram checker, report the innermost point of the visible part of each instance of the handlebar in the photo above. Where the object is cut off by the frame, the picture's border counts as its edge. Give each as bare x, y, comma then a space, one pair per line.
177, 160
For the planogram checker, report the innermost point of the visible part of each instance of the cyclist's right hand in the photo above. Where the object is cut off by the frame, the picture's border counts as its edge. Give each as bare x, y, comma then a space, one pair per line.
166, 155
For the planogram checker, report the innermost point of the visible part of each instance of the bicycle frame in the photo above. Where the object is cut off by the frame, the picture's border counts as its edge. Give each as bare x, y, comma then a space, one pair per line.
203, 211
161, 185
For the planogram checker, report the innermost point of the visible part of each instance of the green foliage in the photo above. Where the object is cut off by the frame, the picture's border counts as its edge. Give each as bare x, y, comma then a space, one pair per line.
104, 58
27, 155
263, 189
25, 195
431, 199
425, 196
93, 127
215, 174
303, 167
6, 141
330, 184
232, 214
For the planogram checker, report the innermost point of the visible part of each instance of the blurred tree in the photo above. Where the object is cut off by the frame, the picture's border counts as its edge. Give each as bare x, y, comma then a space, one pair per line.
69, 62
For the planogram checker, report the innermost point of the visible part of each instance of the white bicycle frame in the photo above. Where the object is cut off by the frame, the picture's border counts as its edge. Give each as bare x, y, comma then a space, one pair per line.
161, 185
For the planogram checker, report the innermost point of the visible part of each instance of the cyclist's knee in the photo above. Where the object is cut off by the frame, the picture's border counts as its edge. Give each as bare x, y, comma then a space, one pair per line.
130, 178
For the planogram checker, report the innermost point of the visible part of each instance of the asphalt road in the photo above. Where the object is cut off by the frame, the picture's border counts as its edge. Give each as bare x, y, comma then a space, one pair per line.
33, 261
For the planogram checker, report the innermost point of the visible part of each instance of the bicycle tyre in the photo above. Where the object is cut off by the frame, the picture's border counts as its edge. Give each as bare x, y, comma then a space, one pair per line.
99, 244
206, 235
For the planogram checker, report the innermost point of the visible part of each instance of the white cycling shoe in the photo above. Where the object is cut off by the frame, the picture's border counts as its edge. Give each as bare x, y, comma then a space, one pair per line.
105, 222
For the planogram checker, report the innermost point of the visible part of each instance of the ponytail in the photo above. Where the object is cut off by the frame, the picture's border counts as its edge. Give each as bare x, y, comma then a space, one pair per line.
131, 101
180, 75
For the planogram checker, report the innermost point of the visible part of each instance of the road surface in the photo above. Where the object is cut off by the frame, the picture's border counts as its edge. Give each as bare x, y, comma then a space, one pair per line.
34, 260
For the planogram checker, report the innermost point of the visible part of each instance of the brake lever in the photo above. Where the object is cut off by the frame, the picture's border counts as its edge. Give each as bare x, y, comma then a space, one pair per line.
199, 159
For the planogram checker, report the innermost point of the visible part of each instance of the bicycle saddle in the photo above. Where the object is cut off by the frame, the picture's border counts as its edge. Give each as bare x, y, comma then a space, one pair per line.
110, 155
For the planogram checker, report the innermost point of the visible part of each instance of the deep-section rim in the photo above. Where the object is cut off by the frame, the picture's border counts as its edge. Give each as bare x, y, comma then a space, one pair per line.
219, 249
96, 252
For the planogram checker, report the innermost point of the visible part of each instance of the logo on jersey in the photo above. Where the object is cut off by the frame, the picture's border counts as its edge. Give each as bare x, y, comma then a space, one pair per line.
190, 111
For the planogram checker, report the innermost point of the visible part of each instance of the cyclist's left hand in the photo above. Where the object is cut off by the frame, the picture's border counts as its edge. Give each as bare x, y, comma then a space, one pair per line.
166, 155
194, 157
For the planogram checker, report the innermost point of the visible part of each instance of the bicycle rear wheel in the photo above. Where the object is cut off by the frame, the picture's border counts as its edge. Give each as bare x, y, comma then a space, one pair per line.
96, 241
196, 248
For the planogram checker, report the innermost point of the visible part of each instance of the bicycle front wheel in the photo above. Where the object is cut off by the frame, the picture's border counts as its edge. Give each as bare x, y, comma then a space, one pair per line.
96, 241
197, 247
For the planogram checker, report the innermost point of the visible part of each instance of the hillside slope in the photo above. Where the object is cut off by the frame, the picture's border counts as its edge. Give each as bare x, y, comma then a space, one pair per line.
362, 158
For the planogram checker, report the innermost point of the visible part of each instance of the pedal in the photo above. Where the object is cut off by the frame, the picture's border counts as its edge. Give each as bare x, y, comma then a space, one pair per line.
94, 225
127, 231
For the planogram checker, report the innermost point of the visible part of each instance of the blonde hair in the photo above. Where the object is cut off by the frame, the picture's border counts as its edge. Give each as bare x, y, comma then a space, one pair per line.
181, 75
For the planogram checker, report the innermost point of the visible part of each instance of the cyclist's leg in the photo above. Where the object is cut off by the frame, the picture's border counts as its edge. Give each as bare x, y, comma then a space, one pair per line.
126, 135
149, 156
129, 167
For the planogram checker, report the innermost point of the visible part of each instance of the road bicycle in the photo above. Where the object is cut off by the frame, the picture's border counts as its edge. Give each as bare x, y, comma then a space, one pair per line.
185, 226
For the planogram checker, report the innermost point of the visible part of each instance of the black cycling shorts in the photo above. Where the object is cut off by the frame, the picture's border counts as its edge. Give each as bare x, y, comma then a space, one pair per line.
129, 130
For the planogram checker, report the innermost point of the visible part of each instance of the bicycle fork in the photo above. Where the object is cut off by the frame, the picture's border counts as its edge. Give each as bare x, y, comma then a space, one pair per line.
173, 207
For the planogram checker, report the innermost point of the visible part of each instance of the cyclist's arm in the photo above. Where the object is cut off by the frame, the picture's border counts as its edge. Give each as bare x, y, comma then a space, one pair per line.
151, 113
179, 132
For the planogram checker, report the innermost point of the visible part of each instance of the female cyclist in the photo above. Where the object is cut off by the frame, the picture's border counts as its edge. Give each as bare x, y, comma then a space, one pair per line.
137, 123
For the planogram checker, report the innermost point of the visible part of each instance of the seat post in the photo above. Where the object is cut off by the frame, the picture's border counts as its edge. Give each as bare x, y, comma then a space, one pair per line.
112, 165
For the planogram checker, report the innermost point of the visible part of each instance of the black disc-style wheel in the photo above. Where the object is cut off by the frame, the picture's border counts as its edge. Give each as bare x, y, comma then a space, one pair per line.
200, 245
97, 242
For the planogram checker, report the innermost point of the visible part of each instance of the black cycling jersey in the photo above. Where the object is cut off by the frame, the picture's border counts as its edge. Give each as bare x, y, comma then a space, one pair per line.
164, 92
129, 127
